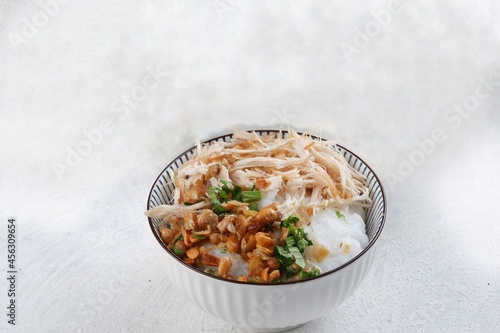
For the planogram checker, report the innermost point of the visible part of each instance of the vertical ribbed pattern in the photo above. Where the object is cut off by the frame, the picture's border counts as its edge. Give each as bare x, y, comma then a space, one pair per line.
272, 308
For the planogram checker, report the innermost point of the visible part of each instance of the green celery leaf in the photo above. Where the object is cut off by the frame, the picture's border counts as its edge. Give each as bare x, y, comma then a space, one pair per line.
283, 255
299, 259
290, 241
302, 244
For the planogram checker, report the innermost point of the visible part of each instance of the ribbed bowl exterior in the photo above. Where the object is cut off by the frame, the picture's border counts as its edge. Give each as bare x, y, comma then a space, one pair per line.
272, 307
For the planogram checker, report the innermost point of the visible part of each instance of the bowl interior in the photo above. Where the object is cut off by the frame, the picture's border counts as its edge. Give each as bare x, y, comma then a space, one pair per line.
163, 188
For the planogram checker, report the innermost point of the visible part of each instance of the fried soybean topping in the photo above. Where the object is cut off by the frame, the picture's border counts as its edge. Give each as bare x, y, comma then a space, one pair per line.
240, 207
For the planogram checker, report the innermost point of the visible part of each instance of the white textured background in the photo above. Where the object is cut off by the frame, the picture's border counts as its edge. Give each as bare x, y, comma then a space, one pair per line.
87, 259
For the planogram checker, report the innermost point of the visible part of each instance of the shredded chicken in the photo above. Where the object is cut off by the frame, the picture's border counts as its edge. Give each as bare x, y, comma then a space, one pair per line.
167, 211
303, 172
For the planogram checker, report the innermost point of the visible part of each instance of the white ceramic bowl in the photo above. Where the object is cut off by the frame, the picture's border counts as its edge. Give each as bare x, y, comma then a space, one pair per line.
271, 307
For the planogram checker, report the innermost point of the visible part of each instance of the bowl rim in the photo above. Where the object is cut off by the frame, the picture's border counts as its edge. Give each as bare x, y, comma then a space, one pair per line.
370, 244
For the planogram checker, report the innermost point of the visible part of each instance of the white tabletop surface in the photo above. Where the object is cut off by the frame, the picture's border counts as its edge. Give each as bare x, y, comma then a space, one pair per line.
97, 97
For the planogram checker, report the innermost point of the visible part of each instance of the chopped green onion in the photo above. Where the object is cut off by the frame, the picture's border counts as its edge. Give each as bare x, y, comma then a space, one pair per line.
213, 192
178, 252
199, 237
237, 192
308, 274
339, 214
225, 193
254, 207
302, 244
291, 220
251, 196
315, 271
211, 271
